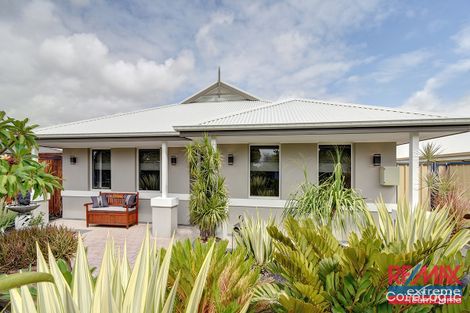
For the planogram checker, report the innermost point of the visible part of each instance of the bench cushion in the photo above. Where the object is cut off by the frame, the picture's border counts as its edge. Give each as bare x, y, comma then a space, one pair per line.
111, 209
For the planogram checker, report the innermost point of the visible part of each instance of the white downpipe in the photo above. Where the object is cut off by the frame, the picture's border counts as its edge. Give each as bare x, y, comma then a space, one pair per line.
414, 170
164, 170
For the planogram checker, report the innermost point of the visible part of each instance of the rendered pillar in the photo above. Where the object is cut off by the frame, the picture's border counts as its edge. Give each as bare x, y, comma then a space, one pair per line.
164, 170
414, 170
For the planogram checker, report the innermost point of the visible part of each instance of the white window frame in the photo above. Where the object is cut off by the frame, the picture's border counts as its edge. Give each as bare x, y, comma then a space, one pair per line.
353, 161
91, 169
249, 170
137, 171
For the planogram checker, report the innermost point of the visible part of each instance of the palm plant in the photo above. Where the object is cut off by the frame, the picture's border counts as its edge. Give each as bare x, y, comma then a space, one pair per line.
330, 203
208, 200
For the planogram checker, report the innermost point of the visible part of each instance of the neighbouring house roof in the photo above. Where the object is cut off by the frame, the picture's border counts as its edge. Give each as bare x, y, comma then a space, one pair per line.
455, 147
221, 107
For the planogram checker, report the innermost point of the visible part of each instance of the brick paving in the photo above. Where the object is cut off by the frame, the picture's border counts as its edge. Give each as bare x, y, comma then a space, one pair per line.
95, 237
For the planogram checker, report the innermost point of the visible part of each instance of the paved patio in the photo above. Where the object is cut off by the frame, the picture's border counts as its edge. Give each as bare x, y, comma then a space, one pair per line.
95, 237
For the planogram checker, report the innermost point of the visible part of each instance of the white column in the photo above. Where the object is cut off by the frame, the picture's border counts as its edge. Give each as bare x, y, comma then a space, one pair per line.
214, 143
414, 170
164, 170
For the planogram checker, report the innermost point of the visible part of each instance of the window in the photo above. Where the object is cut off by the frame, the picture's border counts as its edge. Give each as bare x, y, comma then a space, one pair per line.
101, 162
264, 171
149, 169
328, 156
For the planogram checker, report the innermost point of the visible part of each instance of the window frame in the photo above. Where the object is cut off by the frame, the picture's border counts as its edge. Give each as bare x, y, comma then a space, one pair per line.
353, 161
249, 171
100, 188
137, 174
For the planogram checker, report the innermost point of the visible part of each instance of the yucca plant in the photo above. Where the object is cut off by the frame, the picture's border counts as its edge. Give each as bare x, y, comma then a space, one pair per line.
230, 279
117, 288
208, 199
253, 237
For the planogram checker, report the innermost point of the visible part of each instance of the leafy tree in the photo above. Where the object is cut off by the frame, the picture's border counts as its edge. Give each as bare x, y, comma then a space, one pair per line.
208, 200
19, 169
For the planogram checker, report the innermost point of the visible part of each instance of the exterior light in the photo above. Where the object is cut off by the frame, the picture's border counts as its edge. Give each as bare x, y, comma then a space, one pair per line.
73, 160
173, 160
230, 159
377, 159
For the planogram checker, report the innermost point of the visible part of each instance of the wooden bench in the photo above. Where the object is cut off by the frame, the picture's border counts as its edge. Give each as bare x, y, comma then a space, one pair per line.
116, 213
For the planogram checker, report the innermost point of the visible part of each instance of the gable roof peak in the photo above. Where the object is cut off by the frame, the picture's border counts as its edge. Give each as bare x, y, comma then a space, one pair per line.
220, 92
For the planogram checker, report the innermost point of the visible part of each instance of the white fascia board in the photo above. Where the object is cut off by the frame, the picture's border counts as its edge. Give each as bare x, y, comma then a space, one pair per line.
106, 135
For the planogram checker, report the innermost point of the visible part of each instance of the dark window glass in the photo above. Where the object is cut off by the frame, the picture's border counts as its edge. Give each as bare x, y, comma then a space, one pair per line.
101, 169
149, 169
264, 171
328, 156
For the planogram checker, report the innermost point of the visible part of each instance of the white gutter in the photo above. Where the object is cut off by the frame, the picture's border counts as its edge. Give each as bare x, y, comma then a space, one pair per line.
107, 135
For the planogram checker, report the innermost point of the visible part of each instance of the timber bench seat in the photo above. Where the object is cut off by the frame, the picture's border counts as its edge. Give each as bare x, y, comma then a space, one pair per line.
116, 212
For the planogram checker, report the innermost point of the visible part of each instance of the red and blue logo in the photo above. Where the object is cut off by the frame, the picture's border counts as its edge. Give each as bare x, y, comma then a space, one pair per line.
424, 285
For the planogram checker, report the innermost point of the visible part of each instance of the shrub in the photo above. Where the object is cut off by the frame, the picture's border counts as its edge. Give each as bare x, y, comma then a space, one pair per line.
329, 203
253, 237
18, 247
7, 218
230, 279
319, 274
147, 287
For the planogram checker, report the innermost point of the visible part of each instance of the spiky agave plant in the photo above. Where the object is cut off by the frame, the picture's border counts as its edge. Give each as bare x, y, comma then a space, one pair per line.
117, 288
208, 196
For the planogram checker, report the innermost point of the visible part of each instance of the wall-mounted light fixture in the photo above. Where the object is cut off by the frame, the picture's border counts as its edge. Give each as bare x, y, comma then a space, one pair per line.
377, 159
173, 160
73, 160
230, 159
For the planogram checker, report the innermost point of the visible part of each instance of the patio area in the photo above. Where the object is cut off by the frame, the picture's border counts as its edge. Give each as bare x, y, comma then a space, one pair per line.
95, 237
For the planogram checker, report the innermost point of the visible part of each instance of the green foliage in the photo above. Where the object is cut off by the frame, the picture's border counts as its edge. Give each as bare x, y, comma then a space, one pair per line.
253, 237
319, 274
17, 280
148, 182
152, 285
19, 169
230, 279
208, 200
329, 203
18, 247
7, 218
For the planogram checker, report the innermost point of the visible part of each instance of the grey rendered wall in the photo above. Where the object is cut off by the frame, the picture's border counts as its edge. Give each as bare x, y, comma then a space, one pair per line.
123, 169
73, 207
183, 212
236, 175
76, 176
295, 159
366, 176
178, 175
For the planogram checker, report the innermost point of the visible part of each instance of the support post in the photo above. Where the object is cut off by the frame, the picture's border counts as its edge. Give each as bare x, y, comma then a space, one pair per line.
164, 170
214, 143
414, 170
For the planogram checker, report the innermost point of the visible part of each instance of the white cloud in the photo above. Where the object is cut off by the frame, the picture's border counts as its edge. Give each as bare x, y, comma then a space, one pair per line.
205, 37
393, 67
462, 40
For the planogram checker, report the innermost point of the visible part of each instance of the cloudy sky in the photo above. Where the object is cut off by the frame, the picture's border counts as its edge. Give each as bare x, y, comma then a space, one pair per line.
68, 60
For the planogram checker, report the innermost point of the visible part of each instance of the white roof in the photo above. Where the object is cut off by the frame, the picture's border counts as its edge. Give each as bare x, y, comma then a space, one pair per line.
159, 120
213, 108
302, 111
454, 146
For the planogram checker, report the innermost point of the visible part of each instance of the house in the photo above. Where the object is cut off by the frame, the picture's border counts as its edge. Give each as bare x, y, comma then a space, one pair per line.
266, 146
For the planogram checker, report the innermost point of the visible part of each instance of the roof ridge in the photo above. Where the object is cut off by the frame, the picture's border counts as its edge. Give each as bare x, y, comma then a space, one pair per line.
269, 104
105, 117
